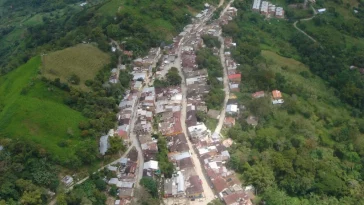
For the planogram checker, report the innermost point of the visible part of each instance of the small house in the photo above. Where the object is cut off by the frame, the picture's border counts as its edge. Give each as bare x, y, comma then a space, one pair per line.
235, 78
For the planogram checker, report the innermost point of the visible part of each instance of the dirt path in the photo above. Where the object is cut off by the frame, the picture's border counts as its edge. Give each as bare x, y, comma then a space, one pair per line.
306, 19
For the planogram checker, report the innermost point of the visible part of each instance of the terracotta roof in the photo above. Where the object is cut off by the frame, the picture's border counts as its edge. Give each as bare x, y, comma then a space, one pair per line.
258, 94
229, 120
235, 76
276, 94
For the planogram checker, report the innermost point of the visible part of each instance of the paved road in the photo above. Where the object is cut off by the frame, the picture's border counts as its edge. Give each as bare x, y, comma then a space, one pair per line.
306, 19
226, 87
208, 191
226, 80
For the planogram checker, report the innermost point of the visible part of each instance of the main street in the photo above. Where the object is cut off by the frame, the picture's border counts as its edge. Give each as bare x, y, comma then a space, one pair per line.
208, 191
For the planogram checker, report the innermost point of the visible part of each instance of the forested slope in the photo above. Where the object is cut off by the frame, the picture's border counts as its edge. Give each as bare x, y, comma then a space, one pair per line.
309, 150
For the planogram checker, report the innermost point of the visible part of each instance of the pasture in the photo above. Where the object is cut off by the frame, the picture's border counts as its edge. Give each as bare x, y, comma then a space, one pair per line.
32, 110
83, 60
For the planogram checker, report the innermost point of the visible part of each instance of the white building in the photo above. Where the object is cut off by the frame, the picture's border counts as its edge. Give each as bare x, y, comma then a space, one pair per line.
256, 5
151, 165
232, 109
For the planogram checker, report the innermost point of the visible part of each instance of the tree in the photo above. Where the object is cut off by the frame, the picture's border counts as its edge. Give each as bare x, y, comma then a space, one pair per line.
260, 176
151, 185
116, 145
215, 202
201, 116
74, 79
173, 77
113, 191
32, 197
100, 184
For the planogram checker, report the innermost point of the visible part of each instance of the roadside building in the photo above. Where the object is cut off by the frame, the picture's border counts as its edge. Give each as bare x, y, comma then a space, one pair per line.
229, 122
232, 109
126, 193
235, 78
194, 187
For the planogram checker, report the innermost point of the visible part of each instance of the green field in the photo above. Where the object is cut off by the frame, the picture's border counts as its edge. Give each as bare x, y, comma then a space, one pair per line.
31, 110
83, 60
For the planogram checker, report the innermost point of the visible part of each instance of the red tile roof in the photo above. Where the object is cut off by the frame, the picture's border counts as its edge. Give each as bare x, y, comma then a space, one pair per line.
229, 120
258, 94
235, 76
276, 94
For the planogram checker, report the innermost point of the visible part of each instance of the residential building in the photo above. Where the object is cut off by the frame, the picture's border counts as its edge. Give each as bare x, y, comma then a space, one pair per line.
232, 109
258, 94
276, 94
235, 78
279, 12
151, 165
264, 7
229, 122
194, 187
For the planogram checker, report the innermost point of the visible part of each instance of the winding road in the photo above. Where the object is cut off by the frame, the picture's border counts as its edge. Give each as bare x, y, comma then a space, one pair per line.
306, 19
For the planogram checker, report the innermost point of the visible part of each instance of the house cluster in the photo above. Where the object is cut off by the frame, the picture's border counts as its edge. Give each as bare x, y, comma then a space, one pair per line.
205, 12
228, 15
268, 9
213, 154
168, 108
276, 96
126, 172
233, 74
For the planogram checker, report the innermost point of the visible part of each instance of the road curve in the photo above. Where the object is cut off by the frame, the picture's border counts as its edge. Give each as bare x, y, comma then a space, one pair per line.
306, 19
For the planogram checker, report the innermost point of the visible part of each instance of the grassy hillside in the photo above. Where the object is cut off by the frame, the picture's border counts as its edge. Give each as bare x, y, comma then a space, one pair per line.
83, 60
31, 110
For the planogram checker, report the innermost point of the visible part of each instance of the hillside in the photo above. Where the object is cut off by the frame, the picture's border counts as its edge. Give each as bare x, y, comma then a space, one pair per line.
307, 150
83, 61
34, 111
45, 26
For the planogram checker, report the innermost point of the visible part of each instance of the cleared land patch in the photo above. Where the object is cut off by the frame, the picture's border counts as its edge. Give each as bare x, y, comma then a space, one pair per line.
83, 60
29, 110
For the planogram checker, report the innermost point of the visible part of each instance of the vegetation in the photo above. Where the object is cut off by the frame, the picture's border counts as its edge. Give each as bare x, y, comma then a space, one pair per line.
172, 79
91, 191
205, 59
26, 172
165, 165
75, 64
308, 150
139, 24
332, 56
143, 197
151, 186
34, 111
211, 41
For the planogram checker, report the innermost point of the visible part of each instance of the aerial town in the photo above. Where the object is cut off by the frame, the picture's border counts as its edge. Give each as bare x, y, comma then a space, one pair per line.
199, 155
